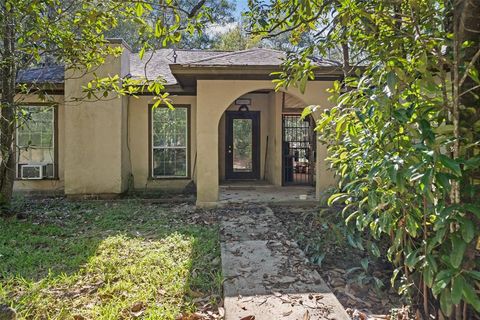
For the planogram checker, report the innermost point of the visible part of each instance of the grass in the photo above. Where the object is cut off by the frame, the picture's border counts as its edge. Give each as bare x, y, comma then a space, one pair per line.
108, 260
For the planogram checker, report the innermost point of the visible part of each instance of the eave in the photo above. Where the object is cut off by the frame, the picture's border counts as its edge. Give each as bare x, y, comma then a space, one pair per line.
188, 74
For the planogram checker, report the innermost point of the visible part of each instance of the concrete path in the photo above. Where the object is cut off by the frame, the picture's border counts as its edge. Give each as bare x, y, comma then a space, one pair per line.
267, 276
261, 194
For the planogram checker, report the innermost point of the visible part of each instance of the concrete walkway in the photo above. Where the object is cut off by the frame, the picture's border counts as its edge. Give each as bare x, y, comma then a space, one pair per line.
267, 276
258, 193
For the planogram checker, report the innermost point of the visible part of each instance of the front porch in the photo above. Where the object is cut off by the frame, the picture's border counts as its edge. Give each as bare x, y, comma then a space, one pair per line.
265, 142
262, 192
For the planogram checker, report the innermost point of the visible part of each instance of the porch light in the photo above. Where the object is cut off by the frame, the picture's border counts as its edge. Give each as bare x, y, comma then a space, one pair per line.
243, 101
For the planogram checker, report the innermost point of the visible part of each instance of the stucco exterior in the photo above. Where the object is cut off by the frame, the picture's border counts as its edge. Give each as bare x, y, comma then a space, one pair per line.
104, 146
138, 141
96, 156
214, 97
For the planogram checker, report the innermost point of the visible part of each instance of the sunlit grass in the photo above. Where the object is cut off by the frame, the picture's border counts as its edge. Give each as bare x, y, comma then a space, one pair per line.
106, 261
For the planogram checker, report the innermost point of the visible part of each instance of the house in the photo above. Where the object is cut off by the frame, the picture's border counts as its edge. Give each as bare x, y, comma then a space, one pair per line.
228, 124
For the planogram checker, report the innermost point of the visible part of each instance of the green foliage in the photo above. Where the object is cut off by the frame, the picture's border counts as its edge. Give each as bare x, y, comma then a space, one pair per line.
403, 143
73, 33
96, 260
220, 13
235, 39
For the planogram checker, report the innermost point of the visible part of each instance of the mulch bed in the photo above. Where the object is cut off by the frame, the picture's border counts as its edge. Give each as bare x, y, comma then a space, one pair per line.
356, 287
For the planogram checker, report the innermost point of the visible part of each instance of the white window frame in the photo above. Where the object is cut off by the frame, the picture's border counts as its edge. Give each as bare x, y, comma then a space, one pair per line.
186, 147
54, 144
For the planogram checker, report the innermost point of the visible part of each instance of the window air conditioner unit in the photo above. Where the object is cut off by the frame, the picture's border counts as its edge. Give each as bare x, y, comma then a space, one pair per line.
32, 171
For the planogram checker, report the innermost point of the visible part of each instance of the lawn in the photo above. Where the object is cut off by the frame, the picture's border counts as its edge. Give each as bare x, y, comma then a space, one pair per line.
108, 260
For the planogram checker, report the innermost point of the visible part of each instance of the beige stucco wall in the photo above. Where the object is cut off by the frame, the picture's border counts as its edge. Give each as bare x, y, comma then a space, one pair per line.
50, 184
103, 146
213, 98
138, 139
96, 158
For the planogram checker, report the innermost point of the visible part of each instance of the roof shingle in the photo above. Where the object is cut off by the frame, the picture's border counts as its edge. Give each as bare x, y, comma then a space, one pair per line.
157, 63
42, 75
250, 57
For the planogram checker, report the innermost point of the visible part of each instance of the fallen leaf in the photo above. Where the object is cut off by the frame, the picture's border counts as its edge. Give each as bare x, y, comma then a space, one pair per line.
306, 316
359, 315
137, 306
196, 294
78, 317
248, 318
287, 313
138, 313
221, 312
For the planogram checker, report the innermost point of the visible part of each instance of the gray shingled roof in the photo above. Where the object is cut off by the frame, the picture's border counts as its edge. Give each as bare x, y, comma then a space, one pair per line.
250, 57
158, 62
42, 75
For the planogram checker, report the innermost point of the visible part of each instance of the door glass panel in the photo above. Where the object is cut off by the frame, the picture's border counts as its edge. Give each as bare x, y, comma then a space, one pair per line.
242, 145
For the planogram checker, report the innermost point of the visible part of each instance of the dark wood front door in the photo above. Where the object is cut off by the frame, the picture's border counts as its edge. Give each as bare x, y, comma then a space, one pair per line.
242, 145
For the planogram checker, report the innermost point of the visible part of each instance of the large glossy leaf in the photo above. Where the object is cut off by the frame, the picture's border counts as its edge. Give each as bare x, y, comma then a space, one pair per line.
475, 209
467, 230
458, 251
441, 281
457, 288
471, 296
450, 164
446, 302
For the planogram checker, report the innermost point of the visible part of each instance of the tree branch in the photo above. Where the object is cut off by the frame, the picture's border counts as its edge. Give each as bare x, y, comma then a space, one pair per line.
470, 65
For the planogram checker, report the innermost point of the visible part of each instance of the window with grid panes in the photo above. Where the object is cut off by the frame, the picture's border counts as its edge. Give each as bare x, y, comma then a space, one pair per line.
169, 142
36, 138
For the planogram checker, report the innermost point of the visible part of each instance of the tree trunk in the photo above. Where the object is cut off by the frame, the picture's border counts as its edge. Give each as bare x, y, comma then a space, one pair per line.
465, 111
8, 110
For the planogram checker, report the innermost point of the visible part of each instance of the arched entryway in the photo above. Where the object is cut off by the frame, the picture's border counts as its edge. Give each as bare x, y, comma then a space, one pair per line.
263, 138
216, 98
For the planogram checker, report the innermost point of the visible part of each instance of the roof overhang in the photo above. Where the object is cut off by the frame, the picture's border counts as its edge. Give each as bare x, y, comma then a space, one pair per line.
53, 88
188, 74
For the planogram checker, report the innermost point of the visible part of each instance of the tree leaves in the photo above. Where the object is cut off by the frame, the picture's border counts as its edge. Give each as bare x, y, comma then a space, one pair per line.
457, 289
458, 250
467, 230
391, 134
471, 296
450, 164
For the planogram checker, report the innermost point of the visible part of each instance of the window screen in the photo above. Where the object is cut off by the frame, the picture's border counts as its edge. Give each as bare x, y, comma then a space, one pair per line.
36, 138
169, 142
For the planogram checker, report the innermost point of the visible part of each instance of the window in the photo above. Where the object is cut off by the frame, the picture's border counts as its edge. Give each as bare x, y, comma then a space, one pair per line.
169, 142
36, 139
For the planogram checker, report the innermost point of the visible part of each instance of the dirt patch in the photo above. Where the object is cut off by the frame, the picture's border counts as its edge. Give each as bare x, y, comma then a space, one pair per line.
360, 280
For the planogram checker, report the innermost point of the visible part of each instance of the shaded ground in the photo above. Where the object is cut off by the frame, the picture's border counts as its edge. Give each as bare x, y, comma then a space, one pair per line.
109, 260
358, 279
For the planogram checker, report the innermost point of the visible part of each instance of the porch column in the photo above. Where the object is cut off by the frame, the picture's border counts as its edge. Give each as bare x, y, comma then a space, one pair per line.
209, 111
278, 139
324, 176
